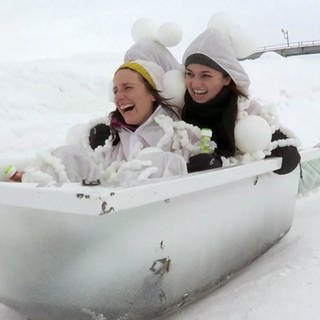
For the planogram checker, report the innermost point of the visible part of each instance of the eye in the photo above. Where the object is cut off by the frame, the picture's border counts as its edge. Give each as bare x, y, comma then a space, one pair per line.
188, 74
114, 90
206, 75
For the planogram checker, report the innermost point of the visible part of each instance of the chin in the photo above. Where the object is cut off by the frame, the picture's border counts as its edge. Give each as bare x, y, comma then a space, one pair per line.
131, 122
200, 99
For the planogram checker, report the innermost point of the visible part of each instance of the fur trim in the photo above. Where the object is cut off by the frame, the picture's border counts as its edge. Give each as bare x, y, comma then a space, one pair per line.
46, 162
282, 143
84, 139
178, 133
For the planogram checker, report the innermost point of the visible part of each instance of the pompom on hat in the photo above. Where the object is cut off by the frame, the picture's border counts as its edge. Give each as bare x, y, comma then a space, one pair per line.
151, 43
214, 48
149, 49
168, 34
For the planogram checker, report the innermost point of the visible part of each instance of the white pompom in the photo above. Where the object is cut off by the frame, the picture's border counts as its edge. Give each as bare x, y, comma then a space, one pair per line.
252, 134
220, 21
242, 44
174, 87
169, 34
143, 29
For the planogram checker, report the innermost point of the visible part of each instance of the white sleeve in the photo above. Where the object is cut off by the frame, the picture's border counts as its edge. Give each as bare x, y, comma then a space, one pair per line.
64, 164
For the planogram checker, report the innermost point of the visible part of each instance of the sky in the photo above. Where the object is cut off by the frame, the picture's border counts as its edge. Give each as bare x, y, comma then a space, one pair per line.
40, 100
33, 29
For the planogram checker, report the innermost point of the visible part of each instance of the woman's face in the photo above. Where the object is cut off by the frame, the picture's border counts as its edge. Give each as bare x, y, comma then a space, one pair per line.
204, 83
131, 96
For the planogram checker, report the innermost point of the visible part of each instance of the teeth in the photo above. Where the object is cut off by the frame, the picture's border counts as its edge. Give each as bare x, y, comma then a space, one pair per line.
199, 91
126, 106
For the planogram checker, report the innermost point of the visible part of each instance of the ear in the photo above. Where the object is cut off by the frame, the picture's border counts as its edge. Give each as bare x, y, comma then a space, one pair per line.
226, 80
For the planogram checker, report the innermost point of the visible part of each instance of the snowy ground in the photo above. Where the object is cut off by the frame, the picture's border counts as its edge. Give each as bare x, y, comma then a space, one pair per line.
41, 100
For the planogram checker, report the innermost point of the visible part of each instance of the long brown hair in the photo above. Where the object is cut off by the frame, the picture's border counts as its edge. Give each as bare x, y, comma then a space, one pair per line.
236, 90
159, 101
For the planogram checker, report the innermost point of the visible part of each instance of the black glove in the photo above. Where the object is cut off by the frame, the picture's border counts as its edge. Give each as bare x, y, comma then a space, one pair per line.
204, 161
98, 135
290, 154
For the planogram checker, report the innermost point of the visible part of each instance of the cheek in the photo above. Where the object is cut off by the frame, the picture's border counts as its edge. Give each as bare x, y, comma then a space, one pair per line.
146, 99
188, 82
216, 87
143, 105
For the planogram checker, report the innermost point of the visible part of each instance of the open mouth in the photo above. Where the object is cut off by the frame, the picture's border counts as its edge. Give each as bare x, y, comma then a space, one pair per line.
126, 108
200, 92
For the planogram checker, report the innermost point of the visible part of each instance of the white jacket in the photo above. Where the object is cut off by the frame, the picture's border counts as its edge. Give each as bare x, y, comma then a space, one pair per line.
160, 147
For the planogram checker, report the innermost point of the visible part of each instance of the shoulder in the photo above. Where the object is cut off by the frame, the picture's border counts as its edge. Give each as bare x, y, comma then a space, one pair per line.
254, 107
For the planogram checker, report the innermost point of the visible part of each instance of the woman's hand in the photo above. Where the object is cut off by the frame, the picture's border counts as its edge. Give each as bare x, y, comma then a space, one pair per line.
17, 177
204, 161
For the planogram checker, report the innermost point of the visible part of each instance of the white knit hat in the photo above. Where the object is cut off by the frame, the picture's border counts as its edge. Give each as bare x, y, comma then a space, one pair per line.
151, 44
216, 45
149, 70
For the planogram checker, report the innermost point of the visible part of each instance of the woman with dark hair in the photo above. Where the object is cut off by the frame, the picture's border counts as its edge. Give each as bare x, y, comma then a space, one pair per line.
217, 98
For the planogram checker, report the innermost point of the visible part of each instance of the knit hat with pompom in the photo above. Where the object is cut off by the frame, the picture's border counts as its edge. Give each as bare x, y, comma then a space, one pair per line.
219, 47
150, 45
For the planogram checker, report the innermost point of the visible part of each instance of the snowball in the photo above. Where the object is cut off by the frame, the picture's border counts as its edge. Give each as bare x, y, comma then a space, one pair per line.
252, 134
169, 34
174, 87
143, 29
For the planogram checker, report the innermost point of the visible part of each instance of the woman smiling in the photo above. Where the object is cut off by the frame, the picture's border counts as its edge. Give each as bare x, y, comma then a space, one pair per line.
139, 140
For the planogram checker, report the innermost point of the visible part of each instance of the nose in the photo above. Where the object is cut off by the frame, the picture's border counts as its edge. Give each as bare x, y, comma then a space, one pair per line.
118, 96
195, 82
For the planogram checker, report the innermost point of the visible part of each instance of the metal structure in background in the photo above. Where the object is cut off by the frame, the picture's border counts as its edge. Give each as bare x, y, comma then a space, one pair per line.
286, 36
289, 48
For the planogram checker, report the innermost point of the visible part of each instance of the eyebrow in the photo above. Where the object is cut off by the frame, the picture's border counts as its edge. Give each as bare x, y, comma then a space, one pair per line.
202, 72
124, 84
208, 69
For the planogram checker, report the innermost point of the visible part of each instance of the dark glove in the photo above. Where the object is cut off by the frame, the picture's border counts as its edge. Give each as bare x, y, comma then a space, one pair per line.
98, 135
289, 154
204, 161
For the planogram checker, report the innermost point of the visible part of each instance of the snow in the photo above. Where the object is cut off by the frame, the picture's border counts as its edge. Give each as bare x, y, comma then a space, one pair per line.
46, 89
51, 96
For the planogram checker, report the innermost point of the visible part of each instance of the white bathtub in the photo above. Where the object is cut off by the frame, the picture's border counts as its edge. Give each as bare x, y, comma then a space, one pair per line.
74, 252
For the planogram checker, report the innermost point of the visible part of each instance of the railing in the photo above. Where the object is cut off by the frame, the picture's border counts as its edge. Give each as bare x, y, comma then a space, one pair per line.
297, 44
